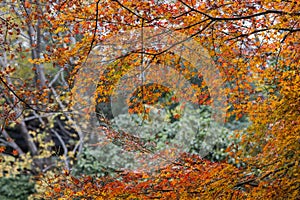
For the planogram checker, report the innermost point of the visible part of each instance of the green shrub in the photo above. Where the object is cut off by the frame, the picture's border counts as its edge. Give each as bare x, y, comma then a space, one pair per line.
201, 134
19, 187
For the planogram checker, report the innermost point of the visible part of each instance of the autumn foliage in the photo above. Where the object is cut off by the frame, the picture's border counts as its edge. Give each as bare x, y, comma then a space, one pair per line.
254, 45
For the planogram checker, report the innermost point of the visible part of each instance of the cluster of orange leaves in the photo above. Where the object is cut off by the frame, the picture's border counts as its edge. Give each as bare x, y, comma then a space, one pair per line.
190, 177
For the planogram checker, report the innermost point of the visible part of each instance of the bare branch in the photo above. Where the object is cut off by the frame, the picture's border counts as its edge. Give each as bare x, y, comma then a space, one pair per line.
12, 142
64, 148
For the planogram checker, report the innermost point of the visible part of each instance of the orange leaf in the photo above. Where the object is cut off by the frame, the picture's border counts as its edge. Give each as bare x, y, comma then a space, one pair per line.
27, 4
75, 180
